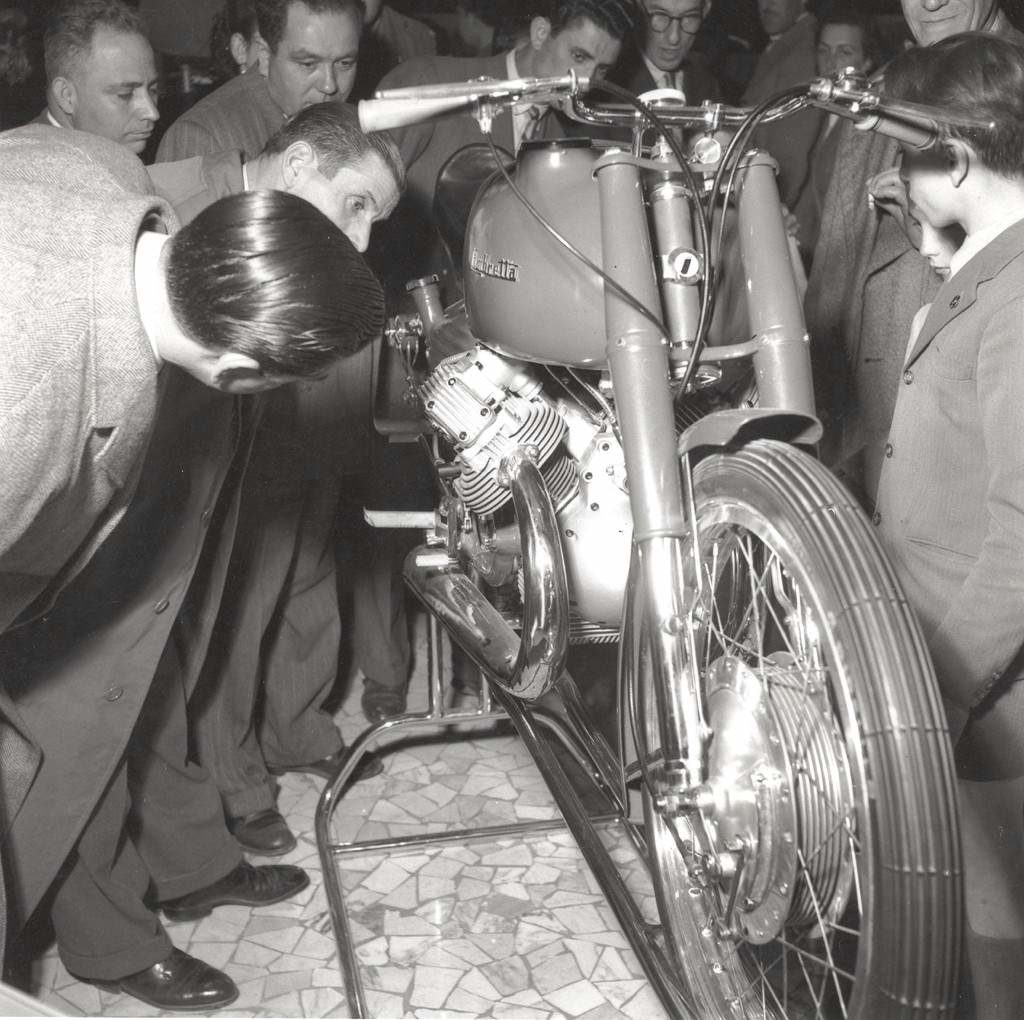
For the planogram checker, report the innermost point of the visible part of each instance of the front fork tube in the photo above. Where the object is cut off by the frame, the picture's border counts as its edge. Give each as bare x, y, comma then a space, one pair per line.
638, 361
782, 362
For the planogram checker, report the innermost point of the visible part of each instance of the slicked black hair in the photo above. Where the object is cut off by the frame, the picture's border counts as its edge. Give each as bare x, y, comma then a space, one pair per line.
266, 274
616, 17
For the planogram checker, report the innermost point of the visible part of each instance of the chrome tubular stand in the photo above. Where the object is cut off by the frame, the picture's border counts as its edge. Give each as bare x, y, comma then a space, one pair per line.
557, 718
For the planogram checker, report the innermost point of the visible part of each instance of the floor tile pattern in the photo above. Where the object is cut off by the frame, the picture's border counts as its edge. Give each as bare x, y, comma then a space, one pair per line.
505, 928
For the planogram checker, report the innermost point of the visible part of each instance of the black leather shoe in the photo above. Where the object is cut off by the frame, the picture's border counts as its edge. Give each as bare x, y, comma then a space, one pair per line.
369, 766
245, 886
380, 703
180, 983
263, 832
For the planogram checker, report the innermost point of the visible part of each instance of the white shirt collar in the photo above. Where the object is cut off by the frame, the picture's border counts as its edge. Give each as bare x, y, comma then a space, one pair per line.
658, 74
53, 120
975, 242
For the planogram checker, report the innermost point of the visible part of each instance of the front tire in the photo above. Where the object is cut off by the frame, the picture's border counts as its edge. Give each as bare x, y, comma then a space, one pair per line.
818, 873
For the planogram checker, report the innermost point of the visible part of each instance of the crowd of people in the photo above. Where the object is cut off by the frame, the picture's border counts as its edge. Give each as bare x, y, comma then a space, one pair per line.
188, 319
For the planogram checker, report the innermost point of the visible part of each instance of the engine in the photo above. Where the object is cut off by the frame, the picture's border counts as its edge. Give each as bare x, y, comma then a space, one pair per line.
486, 405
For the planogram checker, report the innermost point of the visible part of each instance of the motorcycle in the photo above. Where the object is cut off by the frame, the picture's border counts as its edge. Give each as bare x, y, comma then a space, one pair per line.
610, 474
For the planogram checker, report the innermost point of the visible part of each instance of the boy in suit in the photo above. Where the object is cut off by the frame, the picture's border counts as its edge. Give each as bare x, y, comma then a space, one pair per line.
951, 494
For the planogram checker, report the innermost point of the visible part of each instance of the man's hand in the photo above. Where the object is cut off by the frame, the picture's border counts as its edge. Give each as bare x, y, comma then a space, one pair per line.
887, 192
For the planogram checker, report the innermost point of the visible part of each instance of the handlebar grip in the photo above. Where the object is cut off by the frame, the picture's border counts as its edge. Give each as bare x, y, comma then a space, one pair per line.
382, 114
917, 137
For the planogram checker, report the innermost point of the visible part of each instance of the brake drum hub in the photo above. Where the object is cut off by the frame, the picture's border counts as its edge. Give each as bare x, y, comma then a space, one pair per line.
780, 787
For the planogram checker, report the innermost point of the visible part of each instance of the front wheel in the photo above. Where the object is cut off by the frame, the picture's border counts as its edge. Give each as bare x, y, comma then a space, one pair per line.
816, 870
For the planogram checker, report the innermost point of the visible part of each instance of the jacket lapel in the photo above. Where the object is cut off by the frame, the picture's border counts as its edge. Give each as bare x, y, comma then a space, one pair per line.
959, 293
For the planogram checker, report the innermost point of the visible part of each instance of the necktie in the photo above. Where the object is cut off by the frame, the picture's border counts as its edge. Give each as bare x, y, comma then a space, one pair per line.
672, 79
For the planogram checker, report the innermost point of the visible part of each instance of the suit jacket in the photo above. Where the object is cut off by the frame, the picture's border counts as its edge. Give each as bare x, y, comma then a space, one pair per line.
790, 60
951, 495
867, 283
190, 185
631, 72
239, 115
78, 393
392, 39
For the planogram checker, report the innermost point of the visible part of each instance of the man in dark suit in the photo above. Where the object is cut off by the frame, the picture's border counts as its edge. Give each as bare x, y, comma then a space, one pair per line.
660, 56
100, 72
117, 445
291, 492
310, 51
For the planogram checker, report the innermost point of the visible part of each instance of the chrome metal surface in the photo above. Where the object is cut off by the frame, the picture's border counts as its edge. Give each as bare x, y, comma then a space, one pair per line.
526, 667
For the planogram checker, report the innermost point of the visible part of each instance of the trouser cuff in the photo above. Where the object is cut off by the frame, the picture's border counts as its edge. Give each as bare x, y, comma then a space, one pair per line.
259, 797
226, 860
118, 965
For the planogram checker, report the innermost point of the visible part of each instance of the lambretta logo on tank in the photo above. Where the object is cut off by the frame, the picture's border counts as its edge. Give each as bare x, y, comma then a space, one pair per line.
500, 269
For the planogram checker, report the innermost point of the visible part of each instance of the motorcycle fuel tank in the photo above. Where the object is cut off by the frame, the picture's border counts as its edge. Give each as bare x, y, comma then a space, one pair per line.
526, 294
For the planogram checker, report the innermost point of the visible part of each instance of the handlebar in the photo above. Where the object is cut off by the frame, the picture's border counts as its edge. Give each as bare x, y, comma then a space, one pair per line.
392, 108
849, 95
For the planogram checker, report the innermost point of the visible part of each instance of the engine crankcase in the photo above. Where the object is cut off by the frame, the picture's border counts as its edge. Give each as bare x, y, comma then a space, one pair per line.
597, 532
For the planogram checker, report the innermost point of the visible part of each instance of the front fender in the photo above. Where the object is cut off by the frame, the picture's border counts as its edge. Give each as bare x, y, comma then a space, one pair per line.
739, 426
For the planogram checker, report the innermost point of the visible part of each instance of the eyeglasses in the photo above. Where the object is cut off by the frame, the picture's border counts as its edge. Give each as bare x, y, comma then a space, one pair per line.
689, 22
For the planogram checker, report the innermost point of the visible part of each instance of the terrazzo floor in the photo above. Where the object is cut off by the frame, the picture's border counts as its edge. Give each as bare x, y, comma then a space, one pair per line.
511, 928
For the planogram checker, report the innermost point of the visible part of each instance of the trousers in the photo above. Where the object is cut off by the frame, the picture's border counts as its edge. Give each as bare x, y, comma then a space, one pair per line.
157, 827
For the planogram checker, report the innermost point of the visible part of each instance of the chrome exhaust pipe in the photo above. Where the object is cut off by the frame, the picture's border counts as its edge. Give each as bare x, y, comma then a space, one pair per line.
527, 666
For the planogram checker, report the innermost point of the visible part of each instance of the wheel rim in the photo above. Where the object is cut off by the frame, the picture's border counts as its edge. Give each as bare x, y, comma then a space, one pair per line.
764, 889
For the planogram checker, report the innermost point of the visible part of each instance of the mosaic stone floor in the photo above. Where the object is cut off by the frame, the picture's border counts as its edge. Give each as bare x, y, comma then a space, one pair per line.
509, 928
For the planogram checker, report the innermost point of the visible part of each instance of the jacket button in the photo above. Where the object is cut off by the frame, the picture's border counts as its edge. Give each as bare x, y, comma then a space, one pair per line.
908, 377
205, 516
888, 449
161, 605
114, 693
954, 301
876, 518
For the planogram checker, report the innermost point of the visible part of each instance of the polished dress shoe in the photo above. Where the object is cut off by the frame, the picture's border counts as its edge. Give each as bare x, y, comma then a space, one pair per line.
263, 832
245, 886
179, 983
369, 766
380, 703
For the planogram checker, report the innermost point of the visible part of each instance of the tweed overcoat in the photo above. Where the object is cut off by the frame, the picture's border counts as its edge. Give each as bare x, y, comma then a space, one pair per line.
79, 666
866, 285
77, 377
790, 60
